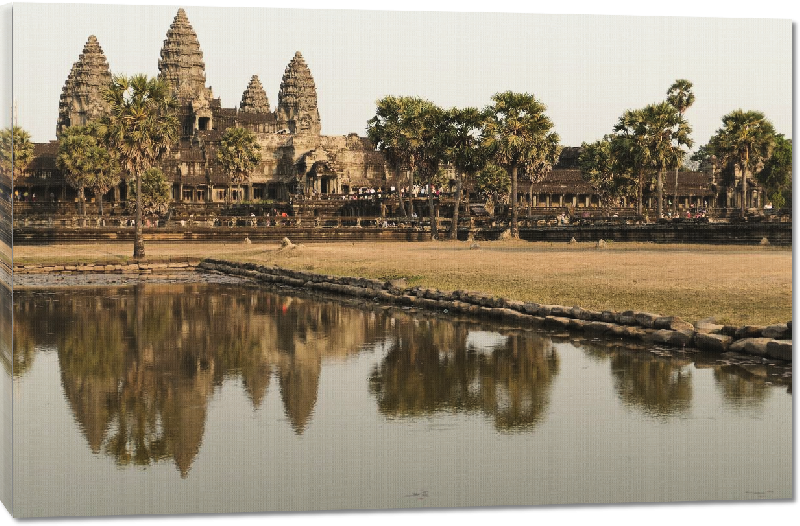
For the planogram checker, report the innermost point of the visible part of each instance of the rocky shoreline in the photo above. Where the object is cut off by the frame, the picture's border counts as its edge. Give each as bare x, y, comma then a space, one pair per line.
772, 341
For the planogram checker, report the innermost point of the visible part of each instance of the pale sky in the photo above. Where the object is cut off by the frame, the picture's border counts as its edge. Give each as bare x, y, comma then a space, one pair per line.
586, 69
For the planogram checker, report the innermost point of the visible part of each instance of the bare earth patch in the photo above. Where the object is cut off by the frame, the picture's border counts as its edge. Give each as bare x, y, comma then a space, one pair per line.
736, 284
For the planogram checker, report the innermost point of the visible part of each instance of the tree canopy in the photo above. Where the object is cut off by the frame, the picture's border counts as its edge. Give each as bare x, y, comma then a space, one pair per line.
465, 151
239, 153
746, 139
631, 151
86, 162
600, 169
776, 176
666, 133
155, 193
516, 127
16, 151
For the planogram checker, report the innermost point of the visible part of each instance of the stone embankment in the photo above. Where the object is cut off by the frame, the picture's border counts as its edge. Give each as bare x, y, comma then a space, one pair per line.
151, 266
162, 267
773, 341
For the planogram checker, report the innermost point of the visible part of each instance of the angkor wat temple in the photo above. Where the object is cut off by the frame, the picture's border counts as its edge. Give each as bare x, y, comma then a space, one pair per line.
296, 158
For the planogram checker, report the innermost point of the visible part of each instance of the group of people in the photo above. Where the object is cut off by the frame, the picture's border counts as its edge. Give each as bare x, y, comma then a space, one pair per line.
23, 197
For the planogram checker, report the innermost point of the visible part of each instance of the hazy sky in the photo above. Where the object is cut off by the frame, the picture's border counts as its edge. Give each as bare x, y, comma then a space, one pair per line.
587, 69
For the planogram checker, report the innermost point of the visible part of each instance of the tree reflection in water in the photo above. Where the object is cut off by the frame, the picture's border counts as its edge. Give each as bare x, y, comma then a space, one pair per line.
431, 367
657, 385
6, 310
740, 387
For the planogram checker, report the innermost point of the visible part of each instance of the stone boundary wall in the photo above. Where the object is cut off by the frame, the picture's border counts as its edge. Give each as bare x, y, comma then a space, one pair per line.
773, 341
777, 234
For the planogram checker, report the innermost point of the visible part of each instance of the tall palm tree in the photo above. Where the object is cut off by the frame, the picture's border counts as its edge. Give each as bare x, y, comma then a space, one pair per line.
16, 151
239, 154
666, 132
515, 127
465, 151
630, 148
429, 150
410, 129
746, 139
141, 127
547, 154
680, 96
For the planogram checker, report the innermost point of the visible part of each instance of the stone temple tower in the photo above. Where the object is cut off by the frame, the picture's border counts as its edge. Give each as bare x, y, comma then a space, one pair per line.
82, 95
254, 98
297, 99
181, 66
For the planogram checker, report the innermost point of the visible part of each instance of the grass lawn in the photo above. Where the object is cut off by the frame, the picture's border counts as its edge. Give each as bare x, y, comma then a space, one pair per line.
735, 284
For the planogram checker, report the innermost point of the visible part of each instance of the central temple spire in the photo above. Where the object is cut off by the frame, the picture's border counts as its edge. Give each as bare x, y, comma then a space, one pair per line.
181, 63
297, 99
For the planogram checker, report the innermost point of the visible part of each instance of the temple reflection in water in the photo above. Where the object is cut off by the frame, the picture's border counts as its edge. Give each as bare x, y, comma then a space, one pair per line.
140, 365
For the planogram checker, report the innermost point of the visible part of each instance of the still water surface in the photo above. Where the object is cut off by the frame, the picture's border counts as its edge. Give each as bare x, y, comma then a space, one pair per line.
222, 397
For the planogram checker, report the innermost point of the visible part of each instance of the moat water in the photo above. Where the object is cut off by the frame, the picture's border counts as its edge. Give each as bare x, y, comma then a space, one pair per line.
201, 398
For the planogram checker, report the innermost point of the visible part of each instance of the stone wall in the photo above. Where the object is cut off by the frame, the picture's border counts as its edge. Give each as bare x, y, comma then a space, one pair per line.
151, 266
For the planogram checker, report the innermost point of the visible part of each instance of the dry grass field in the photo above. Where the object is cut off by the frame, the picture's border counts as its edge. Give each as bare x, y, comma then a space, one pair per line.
734, 284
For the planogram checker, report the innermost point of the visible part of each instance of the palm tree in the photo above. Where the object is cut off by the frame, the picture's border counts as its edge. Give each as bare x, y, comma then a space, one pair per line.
541, 165
680, 96
515, 127
429, 149
141, 127
746, 139
666, 131
465, 151
239, 154
630, 148
16, 151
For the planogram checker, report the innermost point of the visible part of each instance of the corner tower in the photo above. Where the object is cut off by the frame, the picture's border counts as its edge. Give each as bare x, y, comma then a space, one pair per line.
297, 99
254, 98
82, 95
